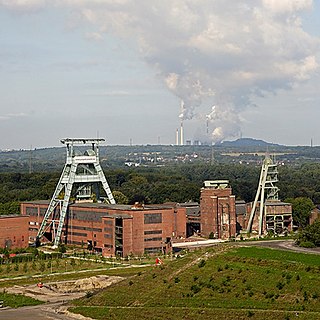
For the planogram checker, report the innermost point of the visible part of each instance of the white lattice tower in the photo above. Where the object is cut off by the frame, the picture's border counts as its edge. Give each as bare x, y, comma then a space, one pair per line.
267, 190
79, 174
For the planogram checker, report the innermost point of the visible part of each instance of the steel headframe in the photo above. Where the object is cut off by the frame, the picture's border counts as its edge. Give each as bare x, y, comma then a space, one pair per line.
83, 170
267, 190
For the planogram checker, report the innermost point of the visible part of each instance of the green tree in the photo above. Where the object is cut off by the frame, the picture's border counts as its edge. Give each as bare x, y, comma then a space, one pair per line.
119, 197
311, 234
301, 209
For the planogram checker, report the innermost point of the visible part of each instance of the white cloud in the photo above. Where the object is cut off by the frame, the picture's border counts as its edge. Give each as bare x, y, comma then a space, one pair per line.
12, 115
23, 5
284, 6
207, 52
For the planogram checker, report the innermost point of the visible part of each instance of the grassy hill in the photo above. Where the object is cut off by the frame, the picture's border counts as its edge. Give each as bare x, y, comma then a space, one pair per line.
225, 282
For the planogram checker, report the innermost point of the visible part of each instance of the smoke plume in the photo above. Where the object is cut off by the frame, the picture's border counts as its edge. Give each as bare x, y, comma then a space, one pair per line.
208, 52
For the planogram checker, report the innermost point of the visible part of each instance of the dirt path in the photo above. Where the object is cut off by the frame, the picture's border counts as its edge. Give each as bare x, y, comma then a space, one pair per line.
55, 294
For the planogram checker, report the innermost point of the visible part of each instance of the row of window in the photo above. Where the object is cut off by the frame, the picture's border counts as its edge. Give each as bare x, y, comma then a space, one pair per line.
86, 228
153, 250
80, 234
153, 232
153, 239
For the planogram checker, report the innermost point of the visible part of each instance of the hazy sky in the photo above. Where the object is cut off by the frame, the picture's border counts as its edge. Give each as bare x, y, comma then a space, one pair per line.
120, 69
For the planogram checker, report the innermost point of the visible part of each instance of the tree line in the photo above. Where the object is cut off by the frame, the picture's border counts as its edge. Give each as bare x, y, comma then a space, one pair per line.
178, 183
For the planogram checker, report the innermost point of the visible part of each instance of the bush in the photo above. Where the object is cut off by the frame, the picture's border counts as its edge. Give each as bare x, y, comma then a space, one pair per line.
280, 285
202, 263
311, 234
307, 244
195, 288
211, 235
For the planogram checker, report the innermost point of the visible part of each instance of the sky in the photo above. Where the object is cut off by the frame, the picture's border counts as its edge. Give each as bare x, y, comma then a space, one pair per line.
131, 71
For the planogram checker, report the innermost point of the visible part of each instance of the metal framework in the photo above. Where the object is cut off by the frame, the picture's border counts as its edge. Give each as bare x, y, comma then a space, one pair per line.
81, 172
267, 191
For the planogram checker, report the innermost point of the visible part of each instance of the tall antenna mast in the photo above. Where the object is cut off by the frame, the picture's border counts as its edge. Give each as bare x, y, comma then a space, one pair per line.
81, 171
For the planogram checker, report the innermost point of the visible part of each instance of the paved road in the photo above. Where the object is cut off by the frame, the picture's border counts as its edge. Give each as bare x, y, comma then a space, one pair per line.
44, 312
280, 244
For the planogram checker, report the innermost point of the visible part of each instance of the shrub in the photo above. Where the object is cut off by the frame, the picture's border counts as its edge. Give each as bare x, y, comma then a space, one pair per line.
280, 285
307, 244
195, 288
202, 263
250, 313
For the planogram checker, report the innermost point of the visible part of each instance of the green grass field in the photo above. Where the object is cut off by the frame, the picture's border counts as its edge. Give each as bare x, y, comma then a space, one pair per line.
225, 282
17, 300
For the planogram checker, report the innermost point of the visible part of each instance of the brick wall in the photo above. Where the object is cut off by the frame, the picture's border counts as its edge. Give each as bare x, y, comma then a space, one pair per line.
14, 231
217, 207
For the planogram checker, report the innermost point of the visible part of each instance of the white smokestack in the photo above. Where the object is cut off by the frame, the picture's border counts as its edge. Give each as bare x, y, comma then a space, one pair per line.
181, 116
177, 137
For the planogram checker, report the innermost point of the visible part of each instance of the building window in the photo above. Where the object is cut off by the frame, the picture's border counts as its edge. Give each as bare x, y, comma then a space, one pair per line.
107, 236
153, 232
150, 218
153, 250
22, 238
153, 239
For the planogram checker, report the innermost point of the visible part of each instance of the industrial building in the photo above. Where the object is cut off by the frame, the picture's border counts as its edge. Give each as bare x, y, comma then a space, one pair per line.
218, 210
277, 218
14, 231
113, 229
73, 218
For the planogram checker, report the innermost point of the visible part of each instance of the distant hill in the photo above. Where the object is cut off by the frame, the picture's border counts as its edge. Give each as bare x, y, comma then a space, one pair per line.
248, 142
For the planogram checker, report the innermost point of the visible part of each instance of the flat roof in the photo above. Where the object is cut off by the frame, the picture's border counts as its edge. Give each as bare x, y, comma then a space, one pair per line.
5, 216
126, 207
118, 215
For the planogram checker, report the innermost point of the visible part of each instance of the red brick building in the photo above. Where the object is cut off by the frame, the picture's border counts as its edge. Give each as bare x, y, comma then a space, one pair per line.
218, 211
14, 231
113, 229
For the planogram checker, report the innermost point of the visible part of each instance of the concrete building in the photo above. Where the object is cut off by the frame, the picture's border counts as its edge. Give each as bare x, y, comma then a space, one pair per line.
277, 218
218, 211
14, 231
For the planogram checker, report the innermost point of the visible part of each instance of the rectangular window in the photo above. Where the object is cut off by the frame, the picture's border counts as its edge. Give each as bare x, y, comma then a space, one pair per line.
153, 239
107, 236
79, 234
32, 211
153, 250
150, 218
153, 232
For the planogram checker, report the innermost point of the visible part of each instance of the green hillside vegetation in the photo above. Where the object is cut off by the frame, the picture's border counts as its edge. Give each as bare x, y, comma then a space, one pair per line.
17, 300
217, 283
